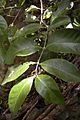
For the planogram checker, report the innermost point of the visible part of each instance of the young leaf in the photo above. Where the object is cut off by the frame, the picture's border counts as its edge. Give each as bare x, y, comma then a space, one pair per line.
62, 69
65, 41
21, 2
18, 94
14, 73
48, 89
3, 23
32, 8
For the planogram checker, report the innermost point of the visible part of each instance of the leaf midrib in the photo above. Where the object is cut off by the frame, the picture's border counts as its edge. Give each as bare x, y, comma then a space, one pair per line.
72, 75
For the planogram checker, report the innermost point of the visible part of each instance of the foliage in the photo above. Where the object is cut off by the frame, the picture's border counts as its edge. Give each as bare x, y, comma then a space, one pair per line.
52, 35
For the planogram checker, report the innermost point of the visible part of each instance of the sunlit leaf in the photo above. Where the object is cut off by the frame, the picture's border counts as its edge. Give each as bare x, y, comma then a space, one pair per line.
18, 94
32, 8
14, 72
47, 14
48, 89
21, 2
62, 69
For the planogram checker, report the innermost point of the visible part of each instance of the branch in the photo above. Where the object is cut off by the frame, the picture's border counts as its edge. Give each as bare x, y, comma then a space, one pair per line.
42, 22
41, 11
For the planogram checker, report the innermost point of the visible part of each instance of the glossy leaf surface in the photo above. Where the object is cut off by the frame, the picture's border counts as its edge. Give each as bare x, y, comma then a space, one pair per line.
48, 89
62, 69
59, 21
22, 47
18, 94
65, 41
28, 29
14, 72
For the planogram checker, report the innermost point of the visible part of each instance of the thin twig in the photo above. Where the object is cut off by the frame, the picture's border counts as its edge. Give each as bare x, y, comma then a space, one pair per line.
41, 22
16, 17
41, 11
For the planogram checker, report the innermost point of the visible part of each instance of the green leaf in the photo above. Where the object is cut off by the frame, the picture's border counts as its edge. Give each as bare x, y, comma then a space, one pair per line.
48, 89
32, 8
2, 3
29, 29
3, 23
22, 47
60, 21
3, 44
47, 14
65, 41
14, 72
62, 7
31, 18
1, 55
62, 69
18, 94
21, 2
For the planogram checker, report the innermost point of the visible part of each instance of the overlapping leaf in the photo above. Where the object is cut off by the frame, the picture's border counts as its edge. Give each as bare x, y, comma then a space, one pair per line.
22, 45
3, 23
3, 38
60, 21
14, 73
62, 69
48, 89
65, 41
28, 29
18, 94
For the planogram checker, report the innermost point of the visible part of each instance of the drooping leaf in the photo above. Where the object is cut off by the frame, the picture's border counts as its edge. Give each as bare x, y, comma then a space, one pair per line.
60, 21
48, 89
3, 23
62, 69
65, 41
18, 94
14, 72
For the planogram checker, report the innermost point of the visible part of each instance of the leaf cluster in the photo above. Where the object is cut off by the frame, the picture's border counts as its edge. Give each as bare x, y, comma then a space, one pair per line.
55, 35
